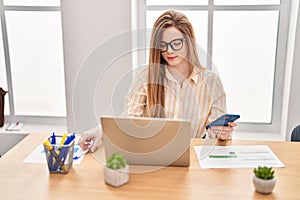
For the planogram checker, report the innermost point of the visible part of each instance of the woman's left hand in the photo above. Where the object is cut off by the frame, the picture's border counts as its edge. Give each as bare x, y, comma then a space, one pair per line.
223, 132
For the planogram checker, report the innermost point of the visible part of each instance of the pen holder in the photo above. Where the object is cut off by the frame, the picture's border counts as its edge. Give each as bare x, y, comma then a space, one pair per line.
59, 157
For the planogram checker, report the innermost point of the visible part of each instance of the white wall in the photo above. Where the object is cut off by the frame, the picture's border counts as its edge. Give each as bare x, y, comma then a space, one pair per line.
293, 117
86, 25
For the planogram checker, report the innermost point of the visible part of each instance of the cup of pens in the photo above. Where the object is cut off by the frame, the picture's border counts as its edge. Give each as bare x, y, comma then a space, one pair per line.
59, 153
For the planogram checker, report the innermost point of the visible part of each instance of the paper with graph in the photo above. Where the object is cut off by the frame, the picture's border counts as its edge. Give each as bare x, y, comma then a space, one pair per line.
236, 156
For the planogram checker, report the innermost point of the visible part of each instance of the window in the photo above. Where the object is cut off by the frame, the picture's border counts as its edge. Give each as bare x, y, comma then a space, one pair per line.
32, 64
246, 41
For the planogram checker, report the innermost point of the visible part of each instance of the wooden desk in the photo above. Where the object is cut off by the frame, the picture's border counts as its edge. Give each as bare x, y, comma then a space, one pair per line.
20, 180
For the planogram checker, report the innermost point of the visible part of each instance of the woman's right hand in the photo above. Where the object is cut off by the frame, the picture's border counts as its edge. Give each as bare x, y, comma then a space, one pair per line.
90, 139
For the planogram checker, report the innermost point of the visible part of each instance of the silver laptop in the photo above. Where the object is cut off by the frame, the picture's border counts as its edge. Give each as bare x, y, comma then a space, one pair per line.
147, 141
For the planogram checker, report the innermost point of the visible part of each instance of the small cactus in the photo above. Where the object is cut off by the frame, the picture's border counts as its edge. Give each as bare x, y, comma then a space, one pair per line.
116, 161
264, 172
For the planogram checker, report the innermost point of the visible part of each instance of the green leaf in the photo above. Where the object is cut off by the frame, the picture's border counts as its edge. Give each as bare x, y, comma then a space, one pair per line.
116, 161
115, 166
264, 172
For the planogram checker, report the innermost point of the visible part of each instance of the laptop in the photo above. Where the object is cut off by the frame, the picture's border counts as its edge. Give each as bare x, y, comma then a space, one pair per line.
147, 141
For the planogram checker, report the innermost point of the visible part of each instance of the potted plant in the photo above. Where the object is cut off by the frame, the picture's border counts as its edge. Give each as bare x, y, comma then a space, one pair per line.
264, 180
116, 171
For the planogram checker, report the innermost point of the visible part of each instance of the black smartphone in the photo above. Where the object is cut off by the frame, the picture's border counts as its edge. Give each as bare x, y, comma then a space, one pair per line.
223, 120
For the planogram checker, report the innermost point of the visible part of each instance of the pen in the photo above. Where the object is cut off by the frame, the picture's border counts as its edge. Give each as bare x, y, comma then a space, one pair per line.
64, 152
50, 148
63, 139
53, 142
69, 139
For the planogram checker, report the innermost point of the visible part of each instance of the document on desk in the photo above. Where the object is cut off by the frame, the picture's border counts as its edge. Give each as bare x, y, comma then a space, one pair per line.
236, 156
38, 155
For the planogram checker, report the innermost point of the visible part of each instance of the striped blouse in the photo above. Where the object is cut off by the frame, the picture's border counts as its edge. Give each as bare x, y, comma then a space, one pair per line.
199, 99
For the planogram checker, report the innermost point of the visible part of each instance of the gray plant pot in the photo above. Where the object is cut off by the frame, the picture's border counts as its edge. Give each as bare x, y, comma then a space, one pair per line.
264, 186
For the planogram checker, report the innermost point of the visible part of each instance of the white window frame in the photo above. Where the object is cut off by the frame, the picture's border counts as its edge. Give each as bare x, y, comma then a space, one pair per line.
281, 51
12, 117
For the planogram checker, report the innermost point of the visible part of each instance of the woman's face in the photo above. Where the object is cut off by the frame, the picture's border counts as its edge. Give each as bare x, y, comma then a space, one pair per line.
173, 46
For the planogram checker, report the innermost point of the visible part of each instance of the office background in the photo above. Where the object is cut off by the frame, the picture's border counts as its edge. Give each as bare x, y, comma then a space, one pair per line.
87, 24
290, 110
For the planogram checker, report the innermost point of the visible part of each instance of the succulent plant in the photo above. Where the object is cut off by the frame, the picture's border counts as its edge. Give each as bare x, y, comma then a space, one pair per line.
116, 161
264, 172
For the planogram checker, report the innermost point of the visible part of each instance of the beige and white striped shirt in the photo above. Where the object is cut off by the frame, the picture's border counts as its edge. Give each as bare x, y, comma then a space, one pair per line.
199, 99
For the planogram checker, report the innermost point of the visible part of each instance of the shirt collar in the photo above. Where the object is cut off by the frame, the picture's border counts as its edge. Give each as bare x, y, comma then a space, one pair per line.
193, 77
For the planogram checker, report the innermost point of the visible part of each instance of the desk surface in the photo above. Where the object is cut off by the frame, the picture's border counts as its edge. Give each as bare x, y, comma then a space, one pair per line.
20, 180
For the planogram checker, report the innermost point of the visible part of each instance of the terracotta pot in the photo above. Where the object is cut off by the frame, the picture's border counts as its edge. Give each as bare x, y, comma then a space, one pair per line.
264, 186
117, 177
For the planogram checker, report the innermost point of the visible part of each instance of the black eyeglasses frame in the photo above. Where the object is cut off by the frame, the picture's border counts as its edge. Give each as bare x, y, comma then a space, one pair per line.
170, 44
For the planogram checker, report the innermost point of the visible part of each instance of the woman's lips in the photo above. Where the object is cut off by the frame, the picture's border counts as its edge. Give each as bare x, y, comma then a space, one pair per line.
171, 58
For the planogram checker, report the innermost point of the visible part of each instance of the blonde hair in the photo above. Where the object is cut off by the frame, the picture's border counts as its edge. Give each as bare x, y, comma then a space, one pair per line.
156, 73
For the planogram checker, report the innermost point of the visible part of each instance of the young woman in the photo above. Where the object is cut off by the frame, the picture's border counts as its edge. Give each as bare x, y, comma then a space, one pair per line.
174, 84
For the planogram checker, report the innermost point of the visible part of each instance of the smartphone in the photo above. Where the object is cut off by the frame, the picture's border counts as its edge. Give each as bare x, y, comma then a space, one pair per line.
223, 120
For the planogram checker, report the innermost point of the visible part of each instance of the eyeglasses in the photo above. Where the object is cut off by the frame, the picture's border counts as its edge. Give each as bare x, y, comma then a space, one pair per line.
175, 44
